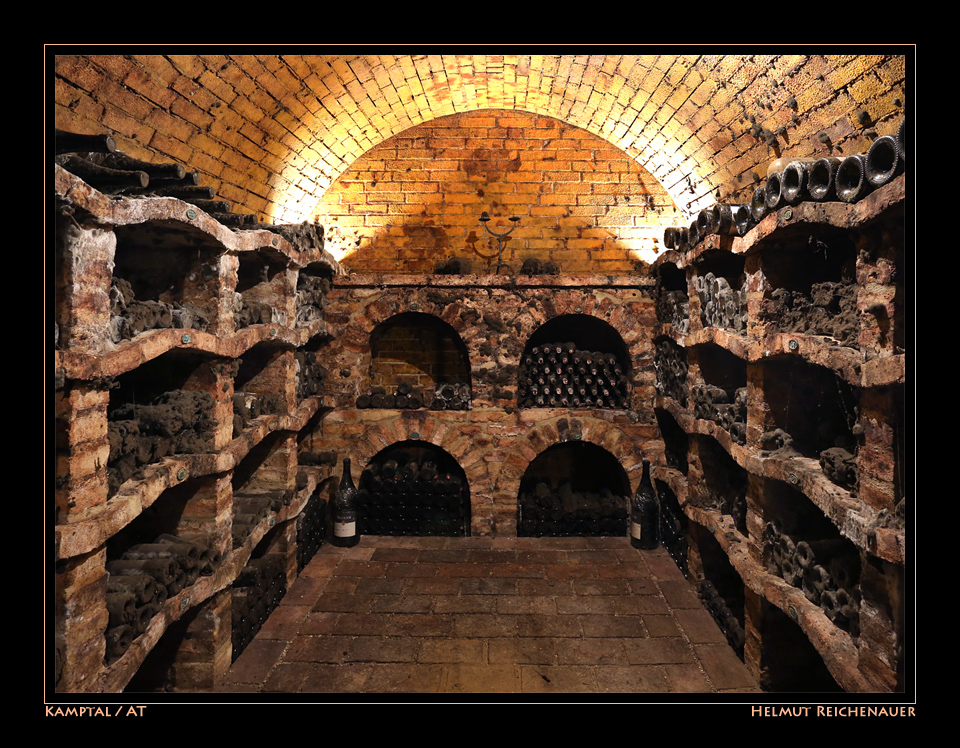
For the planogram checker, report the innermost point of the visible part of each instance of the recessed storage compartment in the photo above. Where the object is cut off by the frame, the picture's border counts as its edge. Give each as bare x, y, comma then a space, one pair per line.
574, 488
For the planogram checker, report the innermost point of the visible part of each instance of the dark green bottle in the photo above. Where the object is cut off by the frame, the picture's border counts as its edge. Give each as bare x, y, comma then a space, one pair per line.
645, 513
345, 533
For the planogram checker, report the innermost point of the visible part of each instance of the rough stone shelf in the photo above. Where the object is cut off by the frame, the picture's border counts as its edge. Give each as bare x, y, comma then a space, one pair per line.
83, 534
116, 675
146, 346
835, 645
856, 521
181, 218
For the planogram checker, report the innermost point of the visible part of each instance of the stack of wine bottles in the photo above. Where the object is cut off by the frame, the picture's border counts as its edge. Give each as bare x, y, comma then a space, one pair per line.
407, 495
673, 308
311, 529
728, 622
828, 308
175, 422
559, 375
310, 374
312, 292
826, 569
96, 160
451, 396
670, 362
130, 316
722, 304
791, 181
257, 591
545, 511
672, 533
403, 396
246, 407
143, 577
251, 507
726, 408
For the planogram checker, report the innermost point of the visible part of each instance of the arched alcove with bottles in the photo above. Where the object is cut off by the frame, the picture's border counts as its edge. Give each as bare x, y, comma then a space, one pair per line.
417, 360
573, 488
574, 361
413, 488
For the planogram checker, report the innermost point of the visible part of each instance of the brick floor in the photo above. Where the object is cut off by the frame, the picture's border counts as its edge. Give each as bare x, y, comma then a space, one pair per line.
489, 616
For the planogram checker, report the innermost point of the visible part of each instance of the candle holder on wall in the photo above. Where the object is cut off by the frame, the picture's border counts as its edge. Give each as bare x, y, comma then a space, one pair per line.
484, 219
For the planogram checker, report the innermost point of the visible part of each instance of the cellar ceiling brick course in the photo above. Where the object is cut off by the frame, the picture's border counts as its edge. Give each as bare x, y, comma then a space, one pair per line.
330, 110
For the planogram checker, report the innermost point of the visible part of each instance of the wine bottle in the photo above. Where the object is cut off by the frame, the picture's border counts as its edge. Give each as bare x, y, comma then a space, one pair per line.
645, 513
821, 178
883, 160
345, 511
851, 178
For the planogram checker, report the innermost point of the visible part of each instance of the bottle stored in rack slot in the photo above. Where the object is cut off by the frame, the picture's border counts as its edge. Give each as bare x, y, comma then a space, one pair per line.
71, 142
821, 178
344, 508
645, 513
103, 178
851, 178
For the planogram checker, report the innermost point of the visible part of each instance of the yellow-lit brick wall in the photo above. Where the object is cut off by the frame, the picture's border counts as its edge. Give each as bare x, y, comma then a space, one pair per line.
417, 198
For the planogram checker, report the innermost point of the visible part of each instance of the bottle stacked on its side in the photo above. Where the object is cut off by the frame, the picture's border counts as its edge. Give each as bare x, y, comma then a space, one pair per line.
728, 622
403, 396
311, 529
250, 508
670, 362
726, 408
560, 375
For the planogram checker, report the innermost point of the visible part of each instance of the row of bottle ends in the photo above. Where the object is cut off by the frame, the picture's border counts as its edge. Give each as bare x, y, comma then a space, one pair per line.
791, 181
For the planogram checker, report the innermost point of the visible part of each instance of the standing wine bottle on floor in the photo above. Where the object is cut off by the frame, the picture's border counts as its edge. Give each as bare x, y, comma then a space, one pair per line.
345, 511
645, 513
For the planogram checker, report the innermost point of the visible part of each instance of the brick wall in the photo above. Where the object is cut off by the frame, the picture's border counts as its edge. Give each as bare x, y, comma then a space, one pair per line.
417, 198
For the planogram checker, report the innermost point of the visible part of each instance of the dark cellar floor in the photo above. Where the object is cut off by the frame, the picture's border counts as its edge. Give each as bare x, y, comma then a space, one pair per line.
489, 616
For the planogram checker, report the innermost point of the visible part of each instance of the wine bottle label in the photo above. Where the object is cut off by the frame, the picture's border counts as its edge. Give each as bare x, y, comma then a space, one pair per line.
344, 529
635, 530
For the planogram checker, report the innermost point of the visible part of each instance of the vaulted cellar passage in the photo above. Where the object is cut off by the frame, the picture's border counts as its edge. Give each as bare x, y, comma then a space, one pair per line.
574, 488
413, 488
417, 360
213, 369
574, 361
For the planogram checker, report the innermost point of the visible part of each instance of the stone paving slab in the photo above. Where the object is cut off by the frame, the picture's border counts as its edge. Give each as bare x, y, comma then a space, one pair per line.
535, 616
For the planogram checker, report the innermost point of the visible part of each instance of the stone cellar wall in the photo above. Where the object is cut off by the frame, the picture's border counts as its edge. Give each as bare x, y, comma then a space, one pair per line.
494, 440
415, 200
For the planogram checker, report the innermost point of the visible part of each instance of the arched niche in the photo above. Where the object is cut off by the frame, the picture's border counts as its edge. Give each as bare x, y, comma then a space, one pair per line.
417, 360
574, 361
413, 488
573, 488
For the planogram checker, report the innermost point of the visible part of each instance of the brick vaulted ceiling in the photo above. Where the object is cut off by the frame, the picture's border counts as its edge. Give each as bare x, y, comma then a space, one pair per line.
271, 132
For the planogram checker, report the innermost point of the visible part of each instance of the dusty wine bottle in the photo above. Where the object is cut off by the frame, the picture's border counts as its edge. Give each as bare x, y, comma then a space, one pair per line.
344, 508
645, 513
